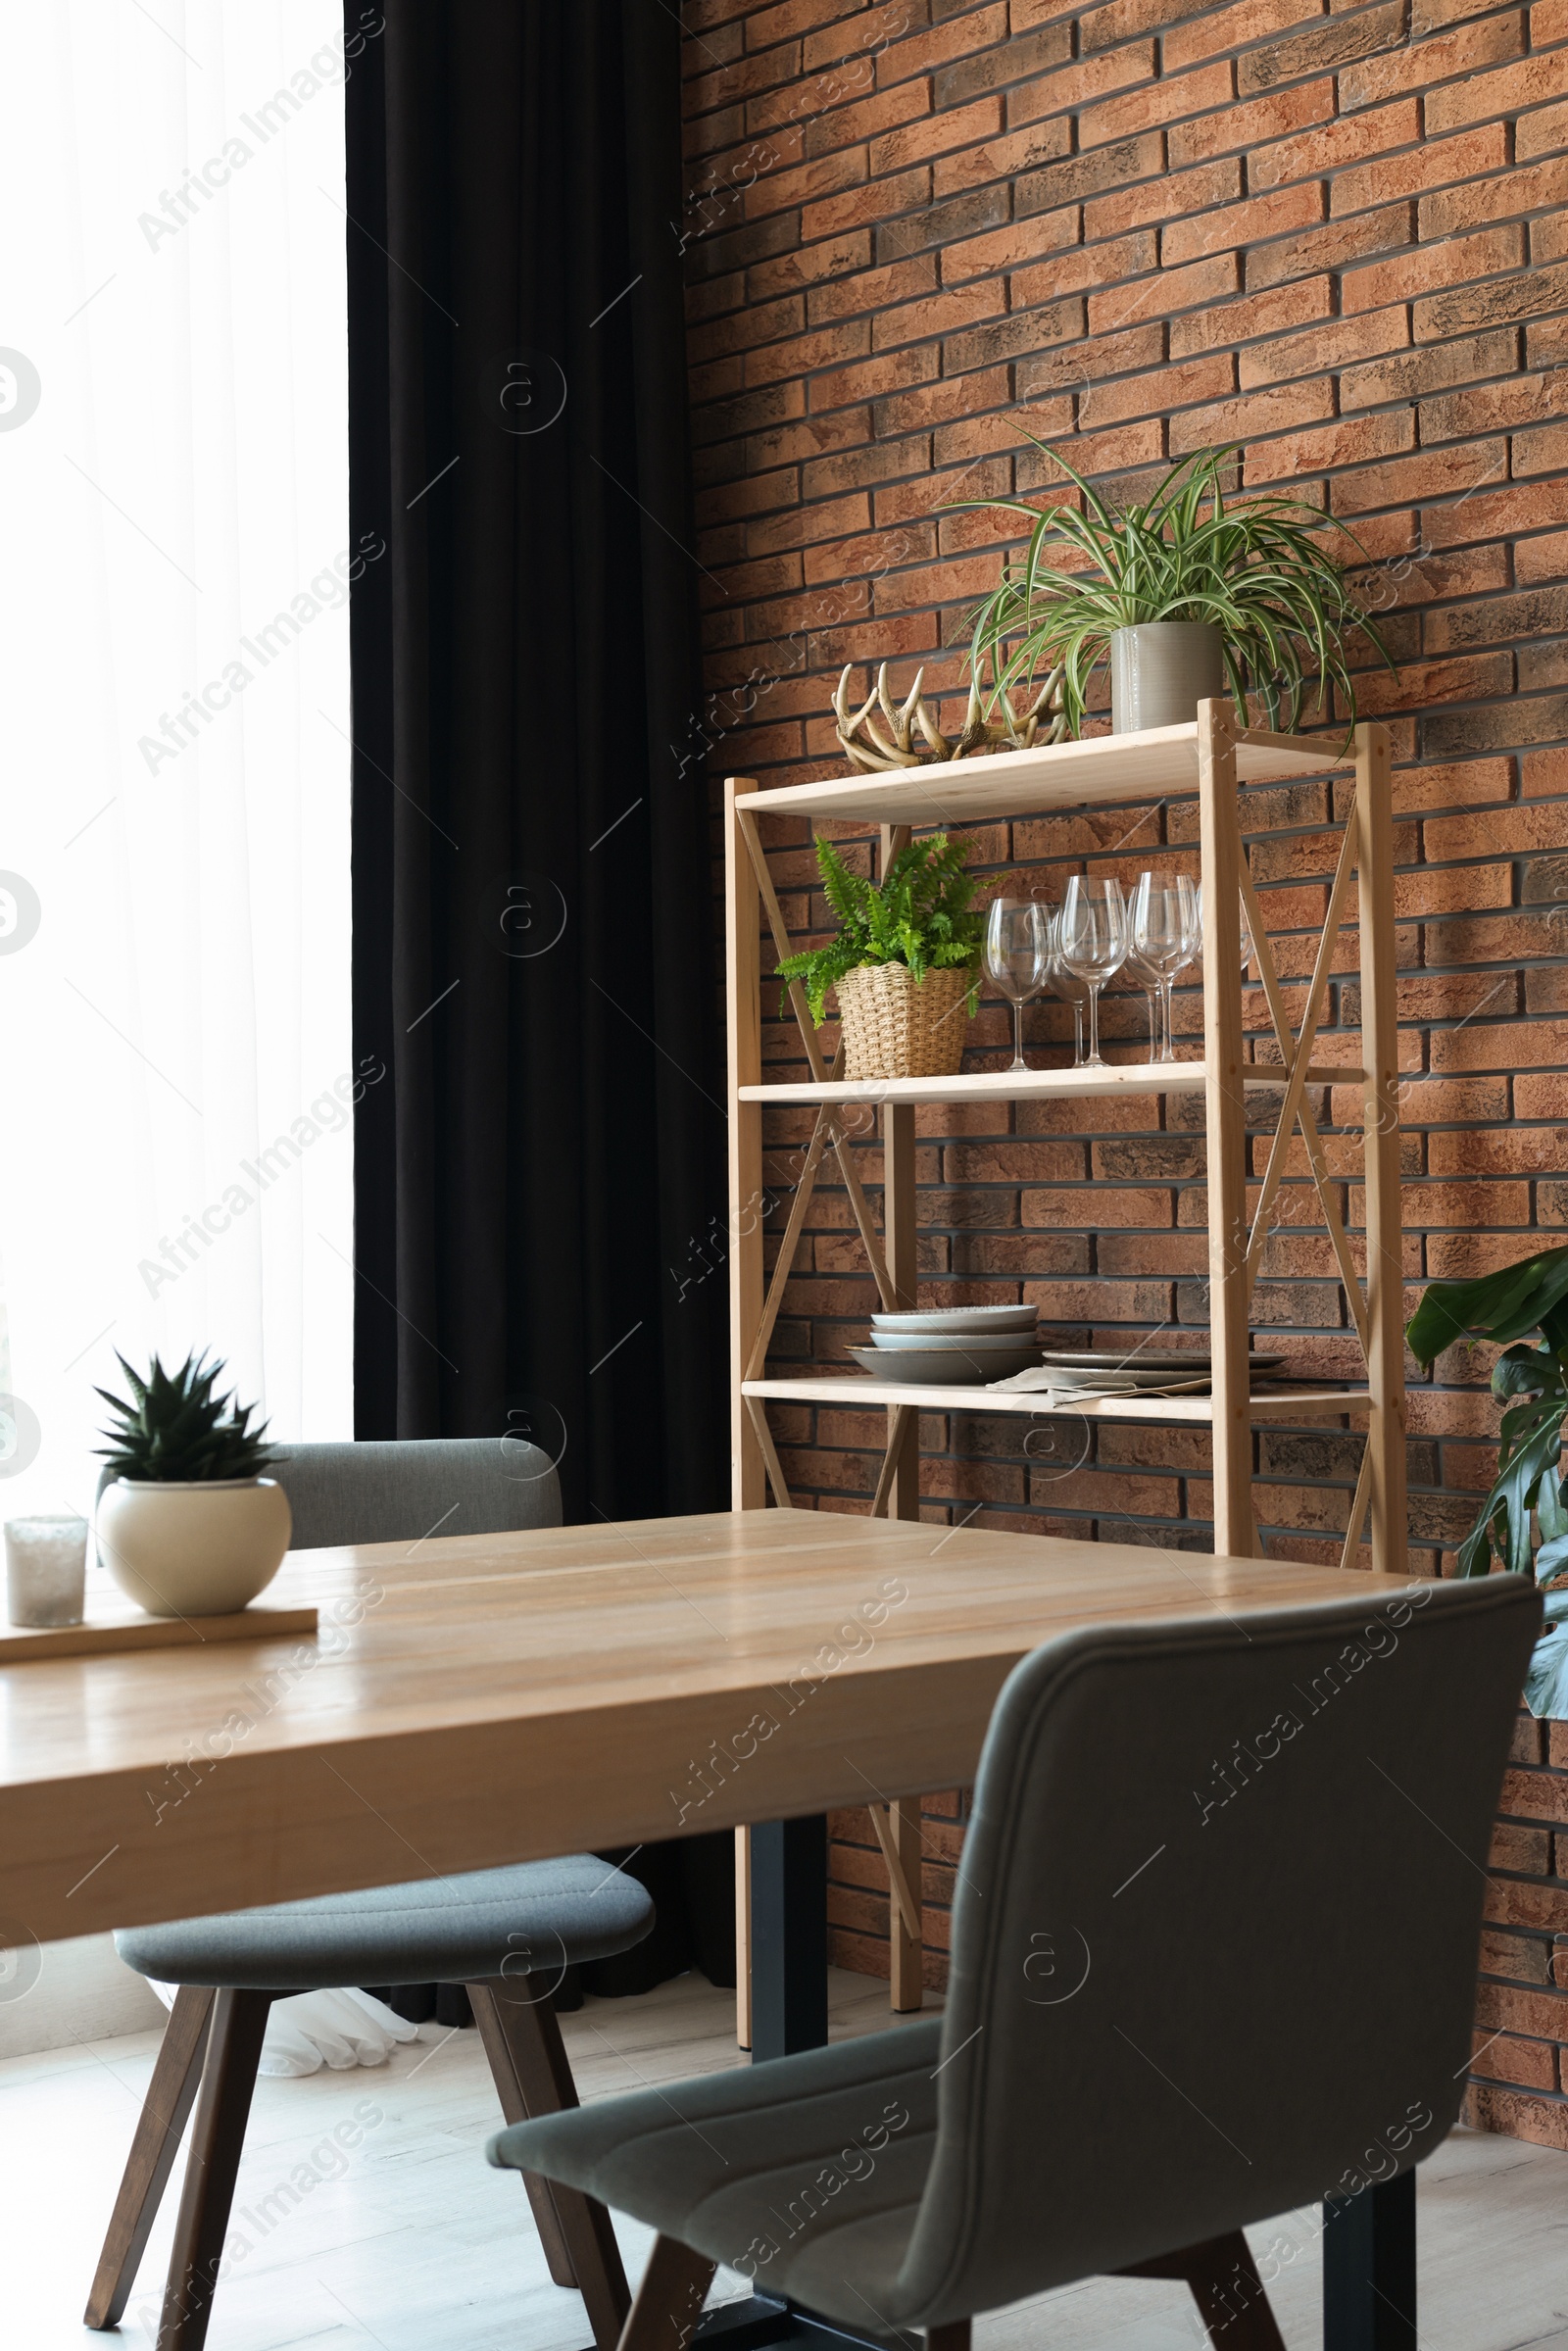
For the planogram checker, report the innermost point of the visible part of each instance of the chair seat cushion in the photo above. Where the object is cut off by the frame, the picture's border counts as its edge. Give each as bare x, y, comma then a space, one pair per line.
805, 2174
534, 1917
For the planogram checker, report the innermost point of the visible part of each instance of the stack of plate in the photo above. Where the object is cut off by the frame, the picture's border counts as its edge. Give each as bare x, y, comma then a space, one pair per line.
947, 1346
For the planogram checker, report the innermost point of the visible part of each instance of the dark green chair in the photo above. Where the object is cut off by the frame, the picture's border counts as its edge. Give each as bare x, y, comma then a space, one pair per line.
506, 1935
1214, 1941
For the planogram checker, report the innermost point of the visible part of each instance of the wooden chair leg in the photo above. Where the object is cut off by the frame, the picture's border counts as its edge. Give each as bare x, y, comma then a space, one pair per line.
670, 2300
508, 2089
160, 2128
1227, 2288
543, 2076
228, 2077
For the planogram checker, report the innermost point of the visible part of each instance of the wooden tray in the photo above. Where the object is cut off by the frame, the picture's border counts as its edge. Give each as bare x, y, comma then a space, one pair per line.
116, 1625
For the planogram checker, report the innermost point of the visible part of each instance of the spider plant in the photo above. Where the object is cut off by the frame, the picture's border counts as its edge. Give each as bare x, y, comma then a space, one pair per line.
1256, 568
1508, 1307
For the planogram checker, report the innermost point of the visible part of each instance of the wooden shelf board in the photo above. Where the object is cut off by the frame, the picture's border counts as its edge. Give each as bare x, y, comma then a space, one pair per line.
1011, 1084
1103, 769
1304, 1403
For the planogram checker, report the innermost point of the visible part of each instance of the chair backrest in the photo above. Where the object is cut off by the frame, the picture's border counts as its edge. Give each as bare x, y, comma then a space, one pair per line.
399, 1491
1216, 1930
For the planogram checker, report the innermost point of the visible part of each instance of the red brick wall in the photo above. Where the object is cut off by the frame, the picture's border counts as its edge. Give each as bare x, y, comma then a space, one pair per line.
1337, 236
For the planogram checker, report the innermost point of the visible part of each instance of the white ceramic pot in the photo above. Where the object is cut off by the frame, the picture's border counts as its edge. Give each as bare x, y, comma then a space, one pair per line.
199, 1548
1162, 670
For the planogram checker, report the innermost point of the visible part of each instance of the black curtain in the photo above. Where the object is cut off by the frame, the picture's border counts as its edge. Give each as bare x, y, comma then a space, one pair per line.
540, 1131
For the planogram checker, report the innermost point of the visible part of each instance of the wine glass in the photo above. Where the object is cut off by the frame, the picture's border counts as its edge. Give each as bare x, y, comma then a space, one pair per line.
1017, 957
1093, 944
1164, 932
1247, 948
1066, 985
1149, 980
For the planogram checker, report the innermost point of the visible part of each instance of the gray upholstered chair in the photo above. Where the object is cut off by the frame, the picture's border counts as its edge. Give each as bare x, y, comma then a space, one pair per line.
504, 1934
1214, 1955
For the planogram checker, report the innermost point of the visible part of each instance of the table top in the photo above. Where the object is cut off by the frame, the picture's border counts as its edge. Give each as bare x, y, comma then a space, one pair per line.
504, 1698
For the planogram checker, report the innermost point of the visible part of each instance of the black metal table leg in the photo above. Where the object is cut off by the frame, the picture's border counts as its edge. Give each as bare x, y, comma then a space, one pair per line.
1369, 2268
789, 1936
789, 2012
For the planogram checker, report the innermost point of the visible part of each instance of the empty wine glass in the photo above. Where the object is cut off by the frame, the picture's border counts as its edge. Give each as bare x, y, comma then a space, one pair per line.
1164, 933
1017, 957
1247, 948
1149, 980
1067, 985
1093, 944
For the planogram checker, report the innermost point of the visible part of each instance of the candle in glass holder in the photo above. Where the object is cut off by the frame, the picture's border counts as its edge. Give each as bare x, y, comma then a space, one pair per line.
46, 1570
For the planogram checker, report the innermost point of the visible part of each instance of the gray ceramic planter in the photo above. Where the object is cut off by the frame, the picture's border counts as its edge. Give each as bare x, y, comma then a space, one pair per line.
1160, 671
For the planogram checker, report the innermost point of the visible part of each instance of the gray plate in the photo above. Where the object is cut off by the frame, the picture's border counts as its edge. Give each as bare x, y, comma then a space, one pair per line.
960, 1318
943, 1367
1146, 1358
1127, 1382
974, 1342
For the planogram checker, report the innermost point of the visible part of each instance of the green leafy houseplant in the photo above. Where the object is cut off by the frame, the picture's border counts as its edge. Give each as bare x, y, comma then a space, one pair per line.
1256, 568
922, 915
1523, 1303
174, 1430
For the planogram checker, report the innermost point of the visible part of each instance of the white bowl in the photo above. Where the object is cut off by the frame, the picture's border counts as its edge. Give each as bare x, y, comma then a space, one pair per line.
202, 1548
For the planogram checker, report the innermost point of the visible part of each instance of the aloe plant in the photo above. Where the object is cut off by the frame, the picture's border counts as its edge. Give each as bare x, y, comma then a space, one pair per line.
174, 1428
922, 916
1523, 1303
1257, 568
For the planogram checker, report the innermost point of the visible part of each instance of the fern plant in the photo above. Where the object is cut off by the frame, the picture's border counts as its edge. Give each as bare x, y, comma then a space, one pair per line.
1256, 568
173, 1429
922, 915
1508, 1307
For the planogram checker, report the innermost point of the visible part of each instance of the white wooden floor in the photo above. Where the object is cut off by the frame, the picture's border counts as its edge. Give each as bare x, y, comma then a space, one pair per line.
411, 2242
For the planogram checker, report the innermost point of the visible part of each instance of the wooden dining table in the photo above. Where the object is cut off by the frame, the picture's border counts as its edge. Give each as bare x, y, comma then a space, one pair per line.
475, 1700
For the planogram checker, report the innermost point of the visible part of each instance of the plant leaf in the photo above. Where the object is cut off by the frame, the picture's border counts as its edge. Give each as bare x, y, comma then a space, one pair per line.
1503, 1519
1501, 1306
1546, 1690
1550, 1560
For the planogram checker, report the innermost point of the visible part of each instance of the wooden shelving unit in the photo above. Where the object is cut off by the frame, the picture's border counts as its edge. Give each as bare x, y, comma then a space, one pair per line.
1209, 759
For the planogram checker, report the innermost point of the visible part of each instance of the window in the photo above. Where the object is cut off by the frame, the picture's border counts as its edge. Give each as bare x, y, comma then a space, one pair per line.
175, 1072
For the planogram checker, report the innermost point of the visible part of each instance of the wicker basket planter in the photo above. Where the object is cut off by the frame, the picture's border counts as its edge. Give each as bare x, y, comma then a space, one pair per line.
896, 1026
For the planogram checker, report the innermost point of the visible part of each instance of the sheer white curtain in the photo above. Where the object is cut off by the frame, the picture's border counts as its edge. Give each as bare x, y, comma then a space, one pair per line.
175, 1073
176, 1066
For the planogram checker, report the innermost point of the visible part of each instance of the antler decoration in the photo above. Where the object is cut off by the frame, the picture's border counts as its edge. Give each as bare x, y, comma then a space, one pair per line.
876, 746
